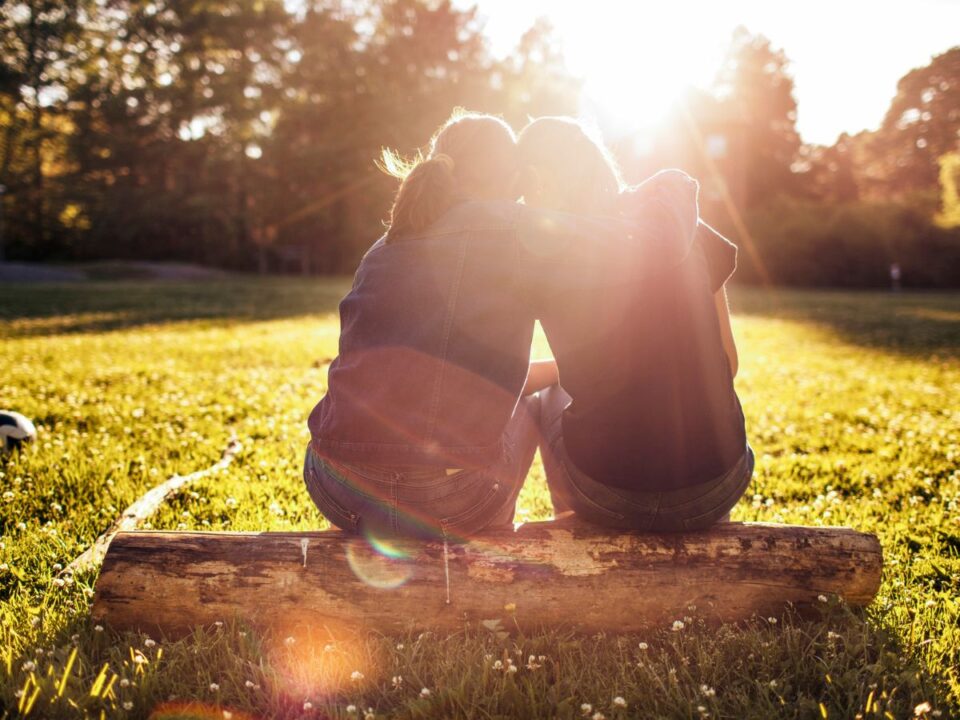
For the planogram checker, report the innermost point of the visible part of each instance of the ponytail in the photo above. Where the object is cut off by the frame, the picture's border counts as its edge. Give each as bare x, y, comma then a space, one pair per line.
471, 155
427, 190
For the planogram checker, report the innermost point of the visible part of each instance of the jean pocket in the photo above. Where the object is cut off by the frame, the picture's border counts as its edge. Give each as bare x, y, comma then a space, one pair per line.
466, 519
333, 510
579, 497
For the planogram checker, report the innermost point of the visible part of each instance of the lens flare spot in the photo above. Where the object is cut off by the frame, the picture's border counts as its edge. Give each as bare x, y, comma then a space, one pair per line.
379, 563
388, 548
320, 664
192, 710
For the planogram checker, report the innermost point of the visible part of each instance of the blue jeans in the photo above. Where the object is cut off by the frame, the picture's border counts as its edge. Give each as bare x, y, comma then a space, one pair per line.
427, 502
692, 508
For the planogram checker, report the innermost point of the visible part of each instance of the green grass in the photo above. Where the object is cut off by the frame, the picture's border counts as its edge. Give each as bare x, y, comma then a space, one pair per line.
851, 402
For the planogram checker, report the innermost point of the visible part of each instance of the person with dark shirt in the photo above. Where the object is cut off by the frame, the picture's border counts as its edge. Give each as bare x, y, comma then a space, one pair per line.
644, 430
424, 430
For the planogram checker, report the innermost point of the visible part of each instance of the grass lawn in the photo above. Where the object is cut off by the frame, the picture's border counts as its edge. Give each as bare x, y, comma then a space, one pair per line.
853, 408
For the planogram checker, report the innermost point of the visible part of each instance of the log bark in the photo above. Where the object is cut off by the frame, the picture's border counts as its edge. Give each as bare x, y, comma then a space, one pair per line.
544, 574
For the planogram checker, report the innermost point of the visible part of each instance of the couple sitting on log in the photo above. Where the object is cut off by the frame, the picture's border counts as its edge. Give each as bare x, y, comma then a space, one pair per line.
434, 411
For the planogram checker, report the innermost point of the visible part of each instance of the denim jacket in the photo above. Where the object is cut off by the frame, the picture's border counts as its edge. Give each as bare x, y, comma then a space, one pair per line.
436, 332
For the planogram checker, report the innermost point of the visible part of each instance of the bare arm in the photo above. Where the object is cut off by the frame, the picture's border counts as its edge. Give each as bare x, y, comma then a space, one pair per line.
542, 374
726, 331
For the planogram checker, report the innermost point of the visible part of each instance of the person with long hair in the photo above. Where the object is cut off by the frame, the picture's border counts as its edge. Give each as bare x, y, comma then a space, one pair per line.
425, 430
644, 430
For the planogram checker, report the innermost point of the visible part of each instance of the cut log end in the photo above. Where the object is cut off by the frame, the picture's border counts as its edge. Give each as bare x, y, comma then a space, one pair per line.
553, 574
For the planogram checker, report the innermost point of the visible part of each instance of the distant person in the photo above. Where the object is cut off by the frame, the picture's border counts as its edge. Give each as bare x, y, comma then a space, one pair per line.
895, 277
644, 430
424, 430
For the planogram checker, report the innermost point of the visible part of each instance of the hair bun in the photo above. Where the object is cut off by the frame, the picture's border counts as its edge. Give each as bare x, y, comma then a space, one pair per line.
445, 160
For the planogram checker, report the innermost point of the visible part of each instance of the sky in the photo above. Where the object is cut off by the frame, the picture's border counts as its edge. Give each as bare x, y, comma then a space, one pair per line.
846, 55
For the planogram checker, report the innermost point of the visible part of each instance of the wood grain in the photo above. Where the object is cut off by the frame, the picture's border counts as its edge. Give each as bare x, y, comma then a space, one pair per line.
555, 575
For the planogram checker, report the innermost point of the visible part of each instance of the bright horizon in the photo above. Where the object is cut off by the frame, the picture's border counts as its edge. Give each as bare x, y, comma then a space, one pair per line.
844, 80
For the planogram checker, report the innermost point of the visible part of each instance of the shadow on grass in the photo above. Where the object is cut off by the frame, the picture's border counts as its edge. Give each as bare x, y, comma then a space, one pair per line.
55, 309
912, 324
915, 324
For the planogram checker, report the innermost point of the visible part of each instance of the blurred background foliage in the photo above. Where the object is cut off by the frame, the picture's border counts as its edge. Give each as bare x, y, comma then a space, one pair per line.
242, 135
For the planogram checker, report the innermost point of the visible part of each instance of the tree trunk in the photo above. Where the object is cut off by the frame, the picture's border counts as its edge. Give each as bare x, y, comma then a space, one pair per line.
555, 574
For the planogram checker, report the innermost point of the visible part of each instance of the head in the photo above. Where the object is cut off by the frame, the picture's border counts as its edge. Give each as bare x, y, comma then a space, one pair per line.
565, 168
471, 156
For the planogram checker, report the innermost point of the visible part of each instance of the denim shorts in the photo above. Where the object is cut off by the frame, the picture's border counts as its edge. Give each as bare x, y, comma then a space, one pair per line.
426, 502
692, 508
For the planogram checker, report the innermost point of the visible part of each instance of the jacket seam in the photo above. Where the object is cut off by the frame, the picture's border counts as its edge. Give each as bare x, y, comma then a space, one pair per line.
447, 329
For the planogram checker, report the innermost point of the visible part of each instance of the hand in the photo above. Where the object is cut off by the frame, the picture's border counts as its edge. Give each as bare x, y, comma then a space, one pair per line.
671, 198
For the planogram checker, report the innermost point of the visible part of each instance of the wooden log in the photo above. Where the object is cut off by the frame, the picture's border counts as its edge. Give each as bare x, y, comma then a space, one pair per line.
544, 574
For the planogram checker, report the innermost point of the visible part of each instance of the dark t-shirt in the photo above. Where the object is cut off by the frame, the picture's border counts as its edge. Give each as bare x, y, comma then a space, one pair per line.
653, 404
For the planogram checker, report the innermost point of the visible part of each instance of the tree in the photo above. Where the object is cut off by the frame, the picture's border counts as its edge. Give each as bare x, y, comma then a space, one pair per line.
922, 124
755, 87
37, 41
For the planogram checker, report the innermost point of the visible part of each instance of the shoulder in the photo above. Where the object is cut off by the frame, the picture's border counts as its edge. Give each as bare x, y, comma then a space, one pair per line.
473, 215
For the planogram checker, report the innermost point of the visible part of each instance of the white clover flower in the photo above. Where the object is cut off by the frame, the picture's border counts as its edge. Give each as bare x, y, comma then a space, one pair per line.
289, 641
214, 687
29, 666
497, 665
356, 676
619, 702
644, 646
329, 647
678, 625
822, 598
307, 705
128, 705
396, 680
149, 642
369, 715
598, 716
124, 683
399, 646
511, 668
351, 709
922, 709
249, 683
586, 708
707, 691
218, 623
772, 620
425, 692
98, 628
227, 715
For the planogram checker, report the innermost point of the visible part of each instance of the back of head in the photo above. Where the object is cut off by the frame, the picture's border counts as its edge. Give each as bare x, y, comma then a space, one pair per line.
565, 168
471, 156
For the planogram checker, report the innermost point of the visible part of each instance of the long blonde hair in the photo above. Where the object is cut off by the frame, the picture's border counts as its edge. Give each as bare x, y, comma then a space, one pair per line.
470, 155
572, 169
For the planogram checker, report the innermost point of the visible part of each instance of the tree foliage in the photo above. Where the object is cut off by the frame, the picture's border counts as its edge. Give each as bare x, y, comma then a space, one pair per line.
235, 133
